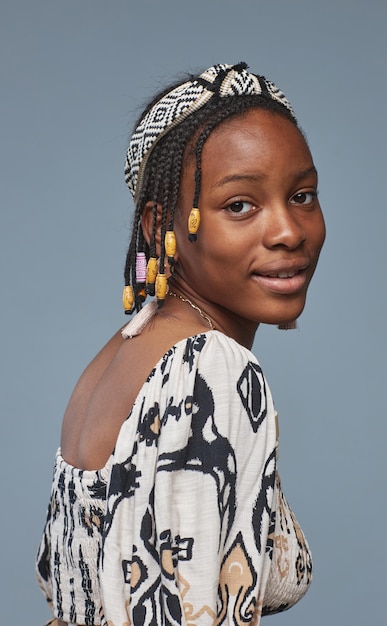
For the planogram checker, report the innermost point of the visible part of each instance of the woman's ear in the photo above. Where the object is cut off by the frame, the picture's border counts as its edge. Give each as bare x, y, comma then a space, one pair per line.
147, 218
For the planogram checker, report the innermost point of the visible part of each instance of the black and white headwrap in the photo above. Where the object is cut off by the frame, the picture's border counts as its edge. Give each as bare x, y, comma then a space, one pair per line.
174, 107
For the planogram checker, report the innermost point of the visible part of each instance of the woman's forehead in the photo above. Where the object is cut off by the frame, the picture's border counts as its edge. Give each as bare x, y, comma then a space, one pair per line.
256, 136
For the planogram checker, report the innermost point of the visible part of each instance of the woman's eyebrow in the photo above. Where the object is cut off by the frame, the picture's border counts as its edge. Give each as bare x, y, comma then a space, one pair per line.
259, 176
238, 177
304, 173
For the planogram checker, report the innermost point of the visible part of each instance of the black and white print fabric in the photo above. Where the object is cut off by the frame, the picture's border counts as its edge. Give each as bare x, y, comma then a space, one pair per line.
186, 524
70, 550
175, 106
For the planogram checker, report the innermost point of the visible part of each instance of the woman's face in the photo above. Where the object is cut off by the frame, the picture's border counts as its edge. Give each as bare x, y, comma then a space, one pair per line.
261, 227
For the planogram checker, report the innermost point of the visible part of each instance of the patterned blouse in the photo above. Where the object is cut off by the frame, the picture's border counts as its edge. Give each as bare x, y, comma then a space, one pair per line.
186, 525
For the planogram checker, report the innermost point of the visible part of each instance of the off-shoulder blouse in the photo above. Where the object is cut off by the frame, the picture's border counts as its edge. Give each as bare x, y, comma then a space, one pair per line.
186, 525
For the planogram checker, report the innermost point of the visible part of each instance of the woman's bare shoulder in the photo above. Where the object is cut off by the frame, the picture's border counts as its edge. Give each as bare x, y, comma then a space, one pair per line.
76, 410
107, 389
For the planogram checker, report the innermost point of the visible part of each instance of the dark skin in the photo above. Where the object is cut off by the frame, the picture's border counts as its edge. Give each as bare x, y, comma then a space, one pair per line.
260, 218
260, 237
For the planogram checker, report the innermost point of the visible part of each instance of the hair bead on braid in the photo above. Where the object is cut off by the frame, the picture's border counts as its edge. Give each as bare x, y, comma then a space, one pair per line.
170, 246
193, 224
161, 285
151, 273
194, 216
141, 267
161, 288
162, 144
141, 276
128, 299
141, 295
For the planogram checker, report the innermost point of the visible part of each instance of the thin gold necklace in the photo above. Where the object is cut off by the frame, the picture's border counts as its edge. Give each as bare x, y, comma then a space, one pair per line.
194, 306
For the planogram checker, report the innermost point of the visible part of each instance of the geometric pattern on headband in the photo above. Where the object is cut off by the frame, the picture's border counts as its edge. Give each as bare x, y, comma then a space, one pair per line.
175, 106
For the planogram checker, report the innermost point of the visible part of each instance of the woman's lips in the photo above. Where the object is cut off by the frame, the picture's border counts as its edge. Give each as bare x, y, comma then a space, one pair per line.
284, 279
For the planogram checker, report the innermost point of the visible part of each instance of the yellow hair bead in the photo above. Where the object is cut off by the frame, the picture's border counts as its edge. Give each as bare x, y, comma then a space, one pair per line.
151, 270
161, 286
193, 223
170, 243
128, 299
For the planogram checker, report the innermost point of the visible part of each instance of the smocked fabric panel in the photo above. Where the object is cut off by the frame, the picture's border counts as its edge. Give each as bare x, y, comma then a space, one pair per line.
70, 550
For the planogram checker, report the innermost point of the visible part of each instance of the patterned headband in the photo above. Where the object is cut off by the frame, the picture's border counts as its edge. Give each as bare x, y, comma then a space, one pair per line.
222, 80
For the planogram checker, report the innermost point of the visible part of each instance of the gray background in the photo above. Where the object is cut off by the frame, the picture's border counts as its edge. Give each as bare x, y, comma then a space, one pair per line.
74, 75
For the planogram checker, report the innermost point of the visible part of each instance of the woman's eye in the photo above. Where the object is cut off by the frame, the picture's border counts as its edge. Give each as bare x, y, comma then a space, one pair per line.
239, 207
303, 197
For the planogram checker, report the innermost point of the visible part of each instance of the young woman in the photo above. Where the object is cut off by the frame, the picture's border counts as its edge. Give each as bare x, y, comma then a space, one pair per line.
166, 505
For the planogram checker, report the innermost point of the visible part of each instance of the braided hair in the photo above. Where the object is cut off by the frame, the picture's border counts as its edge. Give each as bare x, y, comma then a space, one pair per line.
163, 171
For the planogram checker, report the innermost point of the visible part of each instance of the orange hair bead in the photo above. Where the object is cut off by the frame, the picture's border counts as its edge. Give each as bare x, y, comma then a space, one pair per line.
141, 295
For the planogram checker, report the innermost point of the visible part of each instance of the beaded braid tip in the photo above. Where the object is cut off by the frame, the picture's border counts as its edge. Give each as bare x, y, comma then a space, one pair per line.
170, 246
128, 299
161, 289
193, 224
151, 273
140, 267
141, 296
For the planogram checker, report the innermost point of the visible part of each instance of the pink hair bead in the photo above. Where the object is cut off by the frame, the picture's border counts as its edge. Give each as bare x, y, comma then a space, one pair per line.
141, 267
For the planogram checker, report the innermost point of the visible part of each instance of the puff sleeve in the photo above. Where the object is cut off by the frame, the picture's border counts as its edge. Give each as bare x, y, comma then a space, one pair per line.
187, 535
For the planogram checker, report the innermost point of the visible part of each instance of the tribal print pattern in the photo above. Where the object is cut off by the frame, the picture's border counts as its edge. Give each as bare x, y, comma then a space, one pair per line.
186, 523
70, 549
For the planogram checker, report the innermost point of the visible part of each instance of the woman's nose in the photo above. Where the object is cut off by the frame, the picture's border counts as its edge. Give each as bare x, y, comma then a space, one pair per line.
283, 228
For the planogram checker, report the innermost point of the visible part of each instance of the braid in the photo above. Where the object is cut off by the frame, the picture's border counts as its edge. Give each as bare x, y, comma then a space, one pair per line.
163, 171
176, 178
133, 252
165, 205
141, 241
154, 228
132, 248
